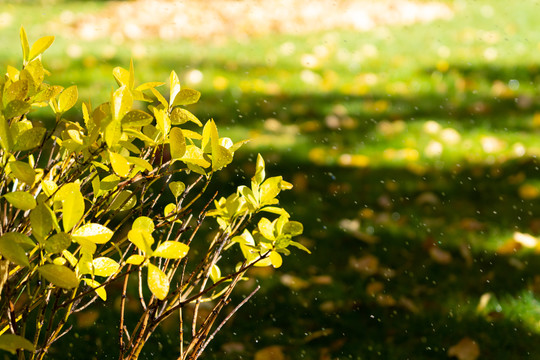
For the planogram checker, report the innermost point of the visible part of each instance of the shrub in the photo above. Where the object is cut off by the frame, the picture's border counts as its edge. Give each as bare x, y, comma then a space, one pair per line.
120, 195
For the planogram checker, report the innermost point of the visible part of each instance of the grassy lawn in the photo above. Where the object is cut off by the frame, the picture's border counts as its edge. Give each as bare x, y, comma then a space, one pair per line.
413, 150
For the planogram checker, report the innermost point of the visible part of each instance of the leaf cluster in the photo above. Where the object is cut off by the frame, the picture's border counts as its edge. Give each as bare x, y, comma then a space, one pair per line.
83, 206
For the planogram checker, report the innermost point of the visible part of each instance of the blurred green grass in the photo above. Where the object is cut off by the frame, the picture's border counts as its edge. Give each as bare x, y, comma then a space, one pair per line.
413, 150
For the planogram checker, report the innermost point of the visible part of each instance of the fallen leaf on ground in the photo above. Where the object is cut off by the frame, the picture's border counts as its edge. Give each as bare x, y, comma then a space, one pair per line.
270, 353
465, 349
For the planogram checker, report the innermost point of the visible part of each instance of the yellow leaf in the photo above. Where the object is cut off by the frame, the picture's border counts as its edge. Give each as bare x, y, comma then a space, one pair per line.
100, 291
119, 164
95, 233
276, 259
135, 259
157, 282
171, 250
104, 266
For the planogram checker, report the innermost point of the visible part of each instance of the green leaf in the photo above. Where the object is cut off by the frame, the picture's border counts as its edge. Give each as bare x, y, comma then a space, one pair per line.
171, 250
100, 290
40, 46
24, 44
136, 118
180, 116
16, 108
68, 98
6, 140
293, 228
21, 200
41, 219
119, 164
157, 282
59, 275
135, 260
57, 243
142, 239
29, 139
104, 266
275, 259
12, 250
72, 205
186, 96
177, 188
23, 171
95, 233
177, 143
12, 343
22, 240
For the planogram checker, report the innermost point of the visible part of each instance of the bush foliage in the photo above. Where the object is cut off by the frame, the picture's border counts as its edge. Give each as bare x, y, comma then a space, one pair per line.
120, 195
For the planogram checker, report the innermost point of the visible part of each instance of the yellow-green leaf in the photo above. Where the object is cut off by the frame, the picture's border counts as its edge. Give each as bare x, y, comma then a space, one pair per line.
104, 266
24, 44
215, 273
21, 200
57, 243
122, 102
293, 228
23, 171
169, 209
186, 96
137, 118
221, 157
124, 201
95, 233
195, 156
16, 108
171, 250
177, 188
174, 86
160, 97
72, 205
29, 139
121, 76
11, 250
135, 259
113, 132
119, 164
41, 221
180, 116
49, 187
59, 275
68, 98
157, 282
6, 140
177, 143
100, 290
12, 342
40, 46
142, 163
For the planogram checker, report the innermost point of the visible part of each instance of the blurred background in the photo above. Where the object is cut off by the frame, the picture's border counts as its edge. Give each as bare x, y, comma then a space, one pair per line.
409, 130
